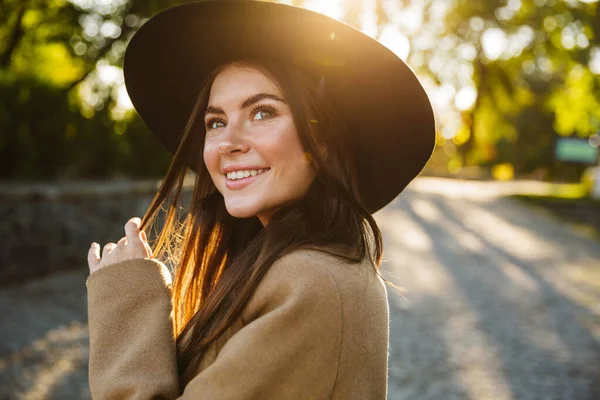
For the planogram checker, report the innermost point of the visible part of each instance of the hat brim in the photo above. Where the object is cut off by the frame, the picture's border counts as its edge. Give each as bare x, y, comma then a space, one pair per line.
386, 109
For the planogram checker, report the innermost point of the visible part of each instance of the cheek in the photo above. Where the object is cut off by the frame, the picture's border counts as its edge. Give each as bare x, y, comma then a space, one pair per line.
288, 156
283, 146
276, 153
211, 158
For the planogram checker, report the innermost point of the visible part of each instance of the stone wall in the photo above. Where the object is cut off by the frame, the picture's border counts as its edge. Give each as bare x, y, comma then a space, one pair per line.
48, 227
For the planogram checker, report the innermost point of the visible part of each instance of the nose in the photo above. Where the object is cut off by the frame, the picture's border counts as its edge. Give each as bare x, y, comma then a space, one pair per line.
232, 140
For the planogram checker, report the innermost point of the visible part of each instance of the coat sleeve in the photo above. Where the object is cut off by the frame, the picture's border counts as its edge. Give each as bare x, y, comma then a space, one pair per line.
289, 347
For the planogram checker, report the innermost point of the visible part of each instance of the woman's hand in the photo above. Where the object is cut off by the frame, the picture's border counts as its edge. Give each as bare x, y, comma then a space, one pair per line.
133, 245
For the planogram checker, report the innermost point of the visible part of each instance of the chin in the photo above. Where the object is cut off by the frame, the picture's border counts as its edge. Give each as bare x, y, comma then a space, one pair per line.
242, 210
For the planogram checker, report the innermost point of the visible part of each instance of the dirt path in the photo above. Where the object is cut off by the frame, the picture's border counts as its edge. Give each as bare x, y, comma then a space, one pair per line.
501, 302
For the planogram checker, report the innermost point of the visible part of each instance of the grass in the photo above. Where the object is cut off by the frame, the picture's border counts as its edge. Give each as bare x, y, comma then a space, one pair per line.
567, 203
556, 192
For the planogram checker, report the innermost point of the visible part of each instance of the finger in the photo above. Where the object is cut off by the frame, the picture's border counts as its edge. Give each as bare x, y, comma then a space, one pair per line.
107, 249
144, 238
146, 244
122, 241
132, 230
93, 256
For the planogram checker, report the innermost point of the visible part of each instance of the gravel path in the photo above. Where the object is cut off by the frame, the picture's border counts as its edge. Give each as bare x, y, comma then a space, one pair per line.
500, 302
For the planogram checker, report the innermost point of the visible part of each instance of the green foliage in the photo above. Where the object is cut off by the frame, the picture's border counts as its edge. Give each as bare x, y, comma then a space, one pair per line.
59, 118
576, 104
529, 95
49, 51
48, 138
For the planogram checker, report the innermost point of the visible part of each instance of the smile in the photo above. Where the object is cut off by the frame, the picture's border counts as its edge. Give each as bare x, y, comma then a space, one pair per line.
237, 180
237, 175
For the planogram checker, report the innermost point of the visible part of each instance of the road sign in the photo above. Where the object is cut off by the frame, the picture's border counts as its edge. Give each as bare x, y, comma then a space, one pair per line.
575, 150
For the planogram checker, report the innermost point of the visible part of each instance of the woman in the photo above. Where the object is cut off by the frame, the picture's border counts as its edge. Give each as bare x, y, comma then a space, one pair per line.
296, 138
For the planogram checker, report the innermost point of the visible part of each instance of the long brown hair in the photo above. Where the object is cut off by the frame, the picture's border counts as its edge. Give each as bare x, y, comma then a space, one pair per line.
221, 259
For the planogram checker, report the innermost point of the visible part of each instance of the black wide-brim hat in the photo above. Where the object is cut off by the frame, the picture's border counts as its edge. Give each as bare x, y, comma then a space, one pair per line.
389, 116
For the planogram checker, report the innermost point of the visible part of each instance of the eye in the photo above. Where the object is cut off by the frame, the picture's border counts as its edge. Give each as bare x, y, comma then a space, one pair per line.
263, 112
214, 123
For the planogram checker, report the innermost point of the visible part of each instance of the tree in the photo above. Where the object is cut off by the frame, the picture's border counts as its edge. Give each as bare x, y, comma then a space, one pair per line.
532, 71
47, 49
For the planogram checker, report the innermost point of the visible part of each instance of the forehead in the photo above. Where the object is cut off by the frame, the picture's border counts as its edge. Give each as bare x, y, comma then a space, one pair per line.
235, 82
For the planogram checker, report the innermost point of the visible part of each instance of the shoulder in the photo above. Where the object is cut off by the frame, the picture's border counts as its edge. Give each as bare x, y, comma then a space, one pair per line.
356, 288
315, 266
307, 264
301, 280
305, 270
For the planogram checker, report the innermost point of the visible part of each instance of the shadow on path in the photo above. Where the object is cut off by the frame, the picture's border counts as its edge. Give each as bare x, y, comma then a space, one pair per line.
539, 341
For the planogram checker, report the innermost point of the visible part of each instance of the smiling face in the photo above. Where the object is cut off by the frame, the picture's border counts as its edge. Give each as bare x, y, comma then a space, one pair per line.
252, 150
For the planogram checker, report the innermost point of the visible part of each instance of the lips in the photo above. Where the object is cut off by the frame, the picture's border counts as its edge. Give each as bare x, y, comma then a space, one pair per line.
239, 184
236, 175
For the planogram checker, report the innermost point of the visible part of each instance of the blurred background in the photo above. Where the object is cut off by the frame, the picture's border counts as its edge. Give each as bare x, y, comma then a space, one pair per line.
497, 242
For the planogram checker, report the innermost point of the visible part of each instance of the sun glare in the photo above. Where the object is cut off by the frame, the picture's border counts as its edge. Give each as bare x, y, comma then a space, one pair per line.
391, 35
331, 8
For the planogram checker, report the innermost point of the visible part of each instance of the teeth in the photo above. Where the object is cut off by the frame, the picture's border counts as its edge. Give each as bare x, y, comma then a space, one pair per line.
244, 174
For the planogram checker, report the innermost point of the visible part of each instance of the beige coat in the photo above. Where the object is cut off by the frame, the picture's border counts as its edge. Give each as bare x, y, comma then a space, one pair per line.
316, 328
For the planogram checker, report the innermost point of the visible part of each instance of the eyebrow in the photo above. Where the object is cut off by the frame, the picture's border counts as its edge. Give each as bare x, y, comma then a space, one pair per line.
253, 99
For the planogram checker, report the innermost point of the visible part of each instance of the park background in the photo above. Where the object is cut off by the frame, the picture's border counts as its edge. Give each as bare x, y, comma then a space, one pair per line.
515, 85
